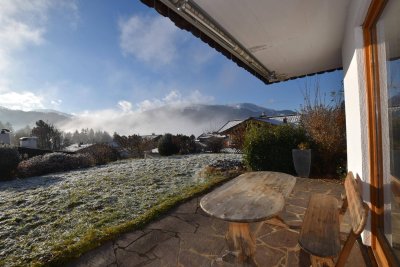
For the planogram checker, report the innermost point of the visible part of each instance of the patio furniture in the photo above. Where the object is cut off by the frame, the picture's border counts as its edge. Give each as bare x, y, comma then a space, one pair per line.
251, 197
320, 233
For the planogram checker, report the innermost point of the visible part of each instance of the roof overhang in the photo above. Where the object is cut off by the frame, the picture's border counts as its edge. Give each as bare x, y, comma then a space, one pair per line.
274, 40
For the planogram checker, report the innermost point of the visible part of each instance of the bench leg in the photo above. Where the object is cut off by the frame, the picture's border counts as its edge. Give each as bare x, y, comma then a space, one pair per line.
344, 254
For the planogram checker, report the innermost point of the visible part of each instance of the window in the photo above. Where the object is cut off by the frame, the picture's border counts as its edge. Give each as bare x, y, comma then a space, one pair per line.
382, 46
388, 53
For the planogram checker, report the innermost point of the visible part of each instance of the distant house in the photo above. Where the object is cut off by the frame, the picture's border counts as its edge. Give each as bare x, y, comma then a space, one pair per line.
5, 137
204, 137
229, 125
235, 129
203, 140
28, 142
291, 119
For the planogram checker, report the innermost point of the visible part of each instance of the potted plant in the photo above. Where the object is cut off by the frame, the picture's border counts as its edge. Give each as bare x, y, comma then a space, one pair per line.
302, 159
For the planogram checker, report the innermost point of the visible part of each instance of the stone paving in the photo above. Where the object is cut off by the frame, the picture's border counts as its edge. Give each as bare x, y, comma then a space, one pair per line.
187, 237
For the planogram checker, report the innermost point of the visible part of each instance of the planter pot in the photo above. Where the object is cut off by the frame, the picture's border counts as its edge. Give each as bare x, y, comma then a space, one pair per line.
302, 161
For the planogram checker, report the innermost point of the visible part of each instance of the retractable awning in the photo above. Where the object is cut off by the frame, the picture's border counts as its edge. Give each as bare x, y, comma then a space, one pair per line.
274, 40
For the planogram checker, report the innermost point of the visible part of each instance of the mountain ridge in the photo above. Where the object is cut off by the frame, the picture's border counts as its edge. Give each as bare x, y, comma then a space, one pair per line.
20, 118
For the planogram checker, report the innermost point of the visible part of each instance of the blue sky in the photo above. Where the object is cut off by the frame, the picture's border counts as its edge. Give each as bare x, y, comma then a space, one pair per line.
93, 55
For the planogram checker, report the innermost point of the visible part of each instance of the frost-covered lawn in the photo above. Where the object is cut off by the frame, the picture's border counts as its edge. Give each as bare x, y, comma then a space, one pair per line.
42, 216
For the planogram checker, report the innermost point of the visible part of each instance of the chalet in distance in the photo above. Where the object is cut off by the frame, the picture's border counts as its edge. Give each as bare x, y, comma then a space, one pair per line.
234, 130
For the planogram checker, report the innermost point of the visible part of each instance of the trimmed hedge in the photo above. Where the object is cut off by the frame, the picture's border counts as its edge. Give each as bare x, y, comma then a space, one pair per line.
167, 146
9, 159
215, 144
101, 153
269, 148
54, 162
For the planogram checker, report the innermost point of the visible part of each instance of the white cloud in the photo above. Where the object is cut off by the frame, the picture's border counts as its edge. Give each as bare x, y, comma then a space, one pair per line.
23, 24
36, 9
174, 98
197, 97
22, 101
149, 104
150, 39
45, 97
16, 34
56, 103
125, 106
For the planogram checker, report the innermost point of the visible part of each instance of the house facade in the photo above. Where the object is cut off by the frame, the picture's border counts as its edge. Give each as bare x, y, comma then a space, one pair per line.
282, 40
5, 137
235, 129
28, 142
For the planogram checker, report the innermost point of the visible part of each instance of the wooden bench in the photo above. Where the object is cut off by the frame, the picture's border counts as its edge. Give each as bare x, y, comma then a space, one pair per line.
320, 233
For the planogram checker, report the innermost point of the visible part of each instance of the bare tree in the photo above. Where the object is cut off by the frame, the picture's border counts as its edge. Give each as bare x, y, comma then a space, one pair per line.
324, 122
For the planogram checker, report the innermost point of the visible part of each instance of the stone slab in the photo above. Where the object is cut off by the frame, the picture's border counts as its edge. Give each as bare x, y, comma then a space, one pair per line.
188, 258
202, 244
188, 207
172, 224
149, 241
128, 238
283, 238
129, 259
99, 257
167, 252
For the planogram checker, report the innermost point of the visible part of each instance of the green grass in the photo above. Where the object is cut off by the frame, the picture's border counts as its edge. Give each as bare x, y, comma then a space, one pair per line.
70, 249
51, 219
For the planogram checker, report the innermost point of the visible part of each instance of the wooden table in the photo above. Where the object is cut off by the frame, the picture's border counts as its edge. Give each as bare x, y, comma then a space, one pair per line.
251, 197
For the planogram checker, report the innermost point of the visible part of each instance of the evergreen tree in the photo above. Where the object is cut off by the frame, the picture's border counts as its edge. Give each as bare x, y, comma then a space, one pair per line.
48, 136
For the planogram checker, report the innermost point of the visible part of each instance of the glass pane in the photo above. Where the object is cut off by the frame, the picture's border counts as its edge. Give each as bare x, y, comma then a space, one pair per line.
389, 68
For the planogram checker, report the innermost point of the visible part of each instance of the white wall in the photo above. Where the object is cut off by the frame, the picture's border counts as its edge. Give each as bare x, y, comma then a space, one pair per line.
28, 142
5, 138
356, 99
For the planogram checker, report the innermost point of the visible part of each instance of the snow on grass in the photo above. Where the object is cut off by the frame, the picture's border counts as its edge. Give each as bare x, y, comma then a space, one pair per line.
40, 213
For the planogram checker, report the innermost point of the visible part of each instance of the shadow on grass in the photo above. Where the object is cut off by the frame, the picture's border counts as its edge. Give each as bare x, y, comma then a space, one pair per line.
20, 185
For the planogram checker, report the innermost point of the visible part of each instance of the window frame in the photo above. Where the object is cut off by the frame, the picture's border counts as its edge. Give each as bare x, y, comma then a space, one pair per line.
381, 248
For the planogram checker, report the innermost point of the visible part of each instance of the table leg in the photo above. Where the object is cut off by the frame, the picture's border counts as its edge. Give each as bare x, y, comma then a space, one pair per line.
242, 242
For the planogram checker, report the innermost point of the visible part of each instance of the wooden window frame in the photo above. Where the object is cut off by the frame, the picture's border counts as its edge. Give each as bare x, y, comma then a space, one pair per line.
382, 250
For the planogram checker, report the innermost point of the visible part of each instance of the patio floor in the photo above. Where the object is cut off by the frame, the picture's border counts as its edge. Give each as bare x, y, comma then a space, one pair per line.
187, 237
